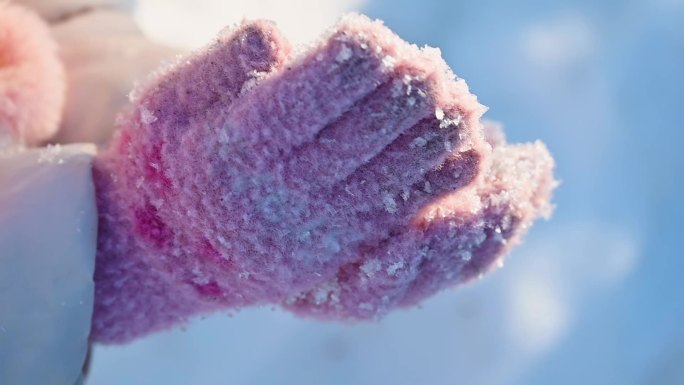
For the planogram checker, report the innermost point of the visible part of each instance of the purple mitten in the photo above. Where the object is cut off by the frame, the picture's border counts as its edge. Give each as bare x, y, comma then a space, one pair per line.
242, 177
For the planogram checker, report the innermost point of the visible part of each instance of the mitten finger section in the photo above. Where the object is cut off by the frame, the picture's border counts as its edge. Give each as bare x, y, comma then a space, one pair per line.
461, 238
208, 82
315, 90
358, 136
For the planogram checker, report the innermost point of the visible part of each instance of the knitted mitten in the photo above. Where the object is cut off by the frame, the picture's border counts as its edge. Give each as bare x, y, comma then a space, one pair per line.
341, 183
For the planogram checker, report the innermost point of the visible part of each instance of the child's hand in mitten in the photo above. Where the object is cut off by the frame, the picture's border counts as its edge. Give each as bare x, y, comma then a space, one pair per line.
347, 181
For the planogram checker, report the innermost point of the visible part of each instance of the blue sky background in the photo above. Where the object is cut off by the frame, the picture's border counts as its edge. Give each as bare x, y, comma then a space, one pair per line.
593, 296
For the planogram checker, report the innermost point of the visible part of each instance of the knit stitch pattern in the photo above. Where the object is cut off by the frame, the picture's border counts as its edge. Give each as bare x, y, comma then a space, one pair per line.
341, 183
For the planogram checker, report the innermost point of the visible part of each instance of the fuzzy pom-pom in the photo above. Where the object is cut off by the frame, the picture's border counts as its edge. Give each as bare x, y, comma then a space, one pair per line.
31, 77
240, 177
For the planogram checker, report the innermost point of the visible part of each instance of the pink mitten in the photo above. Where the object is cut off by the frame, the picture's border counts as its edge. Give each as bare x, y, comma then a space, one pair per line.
342, 183
31, 78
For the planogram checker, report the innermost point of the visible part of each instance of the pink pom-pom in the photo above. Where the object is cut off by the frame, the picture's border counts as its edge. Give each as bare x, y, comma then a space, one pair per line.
31, 77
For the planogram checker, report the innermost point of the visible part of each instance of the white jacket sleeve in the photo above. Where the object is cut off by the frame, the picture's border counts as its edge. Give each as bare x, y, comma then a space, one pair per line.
47, 252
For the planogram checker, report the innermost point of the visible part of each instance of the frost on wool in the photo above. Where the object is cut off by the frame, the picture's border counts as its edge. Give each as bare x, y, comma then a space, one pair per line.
342, 183
31, 78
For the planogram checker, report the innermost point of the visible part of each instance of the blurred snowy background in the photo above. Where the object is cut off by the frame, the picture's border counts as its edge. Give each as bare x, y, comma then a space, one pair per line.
594, 296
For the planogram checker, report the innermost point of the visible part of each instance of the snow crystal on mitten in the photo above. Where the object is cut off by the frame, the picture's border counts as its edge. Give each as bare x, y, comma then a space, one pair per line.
31, 78
457, 237
241, 176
